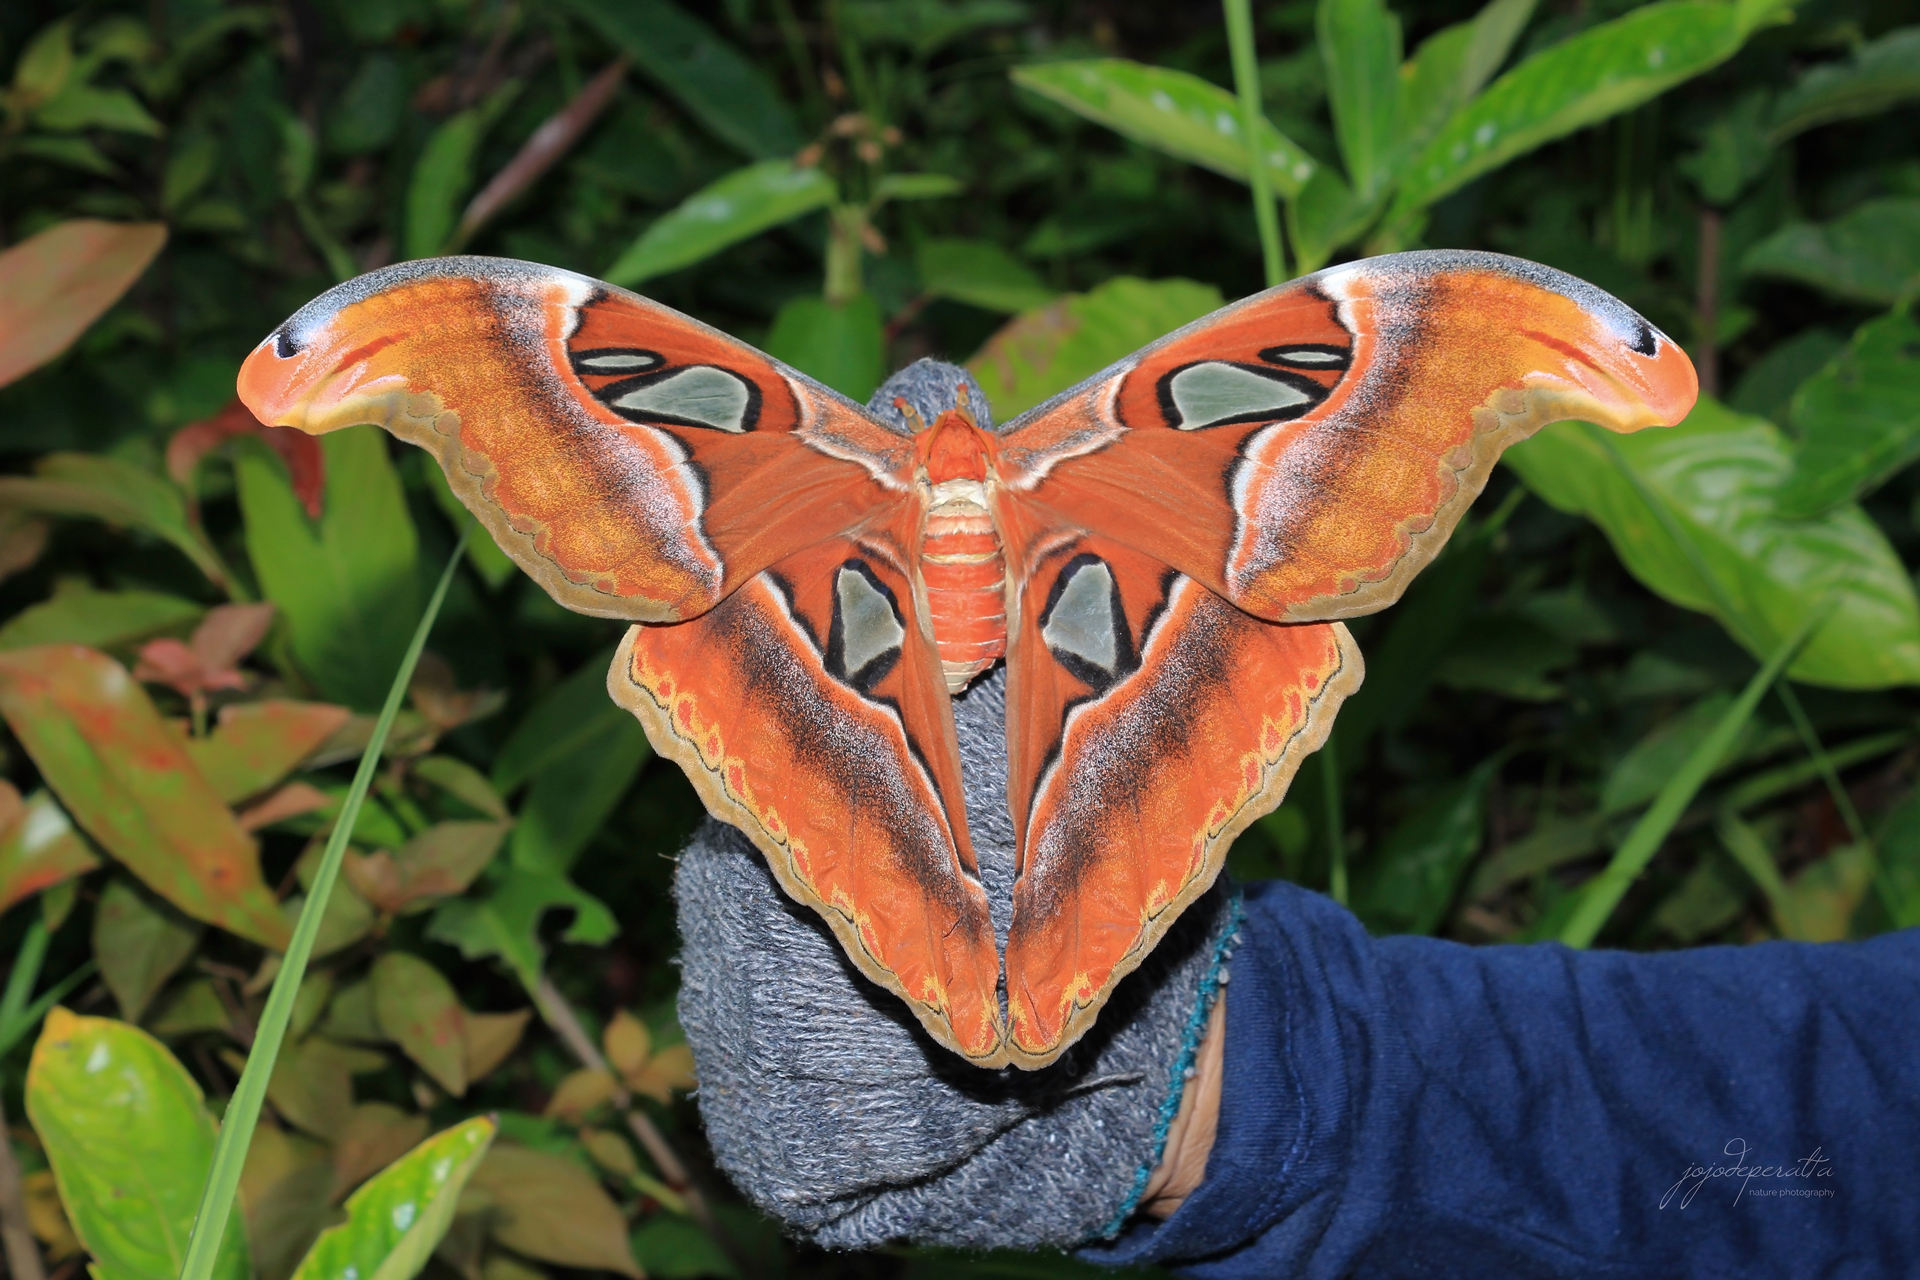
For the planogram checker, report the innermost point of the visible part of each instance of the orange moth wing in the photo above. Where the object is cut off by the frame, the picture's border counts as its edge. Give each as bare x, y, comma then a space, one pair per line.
635, 462
1179, 535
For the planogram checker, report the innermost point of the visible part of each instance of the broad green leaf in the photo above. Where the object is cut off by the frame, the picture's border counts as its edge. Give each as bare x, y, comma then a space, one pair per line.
376, 1135
1172, 111
127, 1132
506, 922
1407, 884
1601, 72
978, 273
669, 1248
84, 484
1718, 477
1767, 388
1452, 65
573, 714
1858, 419
54, 284
1899, 842
369, 109
1869, 254
45, 65
85, 106
1044, 352
443, 175
38, 846
347, 586
139, 944
1734, 150
925, 25
1638, 775
417, 1008
122, 773
76, 613
284, 1195
1713, 896
1881, 74
1509, 654
547, 1207
718, 85
735, 208
916, 186
255, 744
567, 805
463, 782
1819, 903
395, 1222
1360, 44
841, 345
1327, 215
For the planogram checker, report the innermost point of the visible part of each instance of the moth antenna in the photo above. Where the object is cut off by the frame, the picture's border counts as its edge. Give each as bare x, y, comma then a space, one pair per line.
911, 414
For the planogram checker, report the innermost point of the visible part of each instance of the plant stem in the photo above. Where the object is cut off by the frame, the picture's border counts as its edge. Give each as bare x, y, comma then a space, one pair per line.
23, 1255
243, 1109
1603, 893
844, 224
1336, 821
1810, 738
1706, 303
559, 1015
1246, 80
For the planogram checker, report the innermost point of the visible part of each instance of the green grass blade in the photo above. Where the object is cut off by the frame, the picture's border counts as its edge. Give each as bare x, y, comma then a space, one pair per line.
1602, 894
243, 1111
1246, 82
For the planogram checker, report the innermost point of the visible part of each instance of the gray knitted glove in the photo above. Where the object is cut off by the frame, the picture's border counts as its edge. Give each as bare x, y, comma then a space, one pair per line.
833, 1110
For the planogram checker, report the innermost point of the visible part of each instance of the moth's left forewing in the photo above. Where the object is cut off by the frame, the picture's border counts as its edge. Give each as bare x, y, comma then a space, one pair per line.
1149, 722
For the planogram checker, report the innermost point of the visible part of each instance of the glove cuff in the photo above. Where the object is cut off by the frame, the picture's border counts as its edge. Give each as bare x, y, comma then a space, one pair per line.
1212, 986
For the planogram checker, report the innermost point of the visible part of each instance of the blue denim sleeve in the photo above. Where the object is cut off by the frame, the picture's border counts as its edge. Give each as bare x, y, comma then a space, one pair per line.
1412, 1107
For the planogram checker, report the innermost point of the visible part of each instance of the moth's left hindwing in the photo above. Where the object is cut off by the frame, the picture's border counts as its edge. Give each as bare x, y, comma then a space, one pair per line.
635, 462
810, 711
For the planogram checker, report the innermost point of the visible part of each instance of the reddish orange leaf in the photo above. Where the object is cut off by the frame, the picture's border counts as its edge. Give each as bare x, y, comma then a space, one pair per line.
256, 744
124, 775
55, 284
306, 465
38, 846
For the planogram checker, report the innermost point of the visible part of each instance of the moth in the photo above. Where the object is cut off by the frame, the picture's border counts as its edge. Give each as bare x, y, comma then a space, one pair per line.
1161, 556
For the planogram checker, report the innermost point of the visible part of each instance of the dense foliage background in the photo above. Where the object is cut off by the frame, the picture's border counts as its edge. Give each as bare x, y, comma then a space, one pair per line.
855, 185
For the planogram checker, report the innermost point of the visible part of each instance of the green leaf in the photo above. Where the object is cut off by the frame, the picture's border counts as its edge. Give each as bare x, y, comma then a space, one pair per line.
1045, 351
256, 744
1767, 388
567, 805
84, 484
347, 586
506, 922
1638, 775
1601, 72
1858, 419
718, 85
1881, 74
1820, 901
978, 273
139, 944
463, 782
78, 614
1326, 216
567, 720
1734, 150
54, 284
395, 1221
443, 175
129, 1138
1899, 844
38, 846
45, 65
416, 1007
916, 186
1717, 477
122, 773
841, 345
1452, 65
926, 25
670, 1248
1360, 43
1407, 884
1171, 111
82, 106
312, 1083
738, 206
1869, 254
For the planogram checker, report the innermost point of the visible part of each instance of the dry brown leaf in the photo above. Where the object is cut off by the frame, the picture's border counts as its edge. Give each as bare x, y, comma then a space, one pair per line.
375, 1136
289, 801
581, 1092
491, 1037
627, 1043
670, 1069
548, 1208
610, 1151
47, 1217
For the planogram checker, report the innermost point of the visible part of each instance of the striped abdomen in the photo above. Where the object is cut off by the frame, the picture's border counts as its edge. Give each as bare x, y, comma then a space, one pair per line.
965, 574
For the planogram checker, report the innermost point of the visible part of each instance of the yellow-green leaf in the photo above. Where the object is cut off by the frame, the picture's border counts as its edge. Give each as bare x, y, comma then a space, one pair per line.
396, 1220
127, 1132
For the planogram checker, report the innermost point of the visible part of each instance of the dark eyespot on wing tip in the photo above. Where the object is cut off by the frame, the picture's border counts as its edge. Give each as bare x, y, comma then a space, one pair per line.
1647, 340
283, 344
